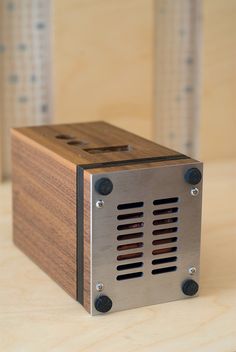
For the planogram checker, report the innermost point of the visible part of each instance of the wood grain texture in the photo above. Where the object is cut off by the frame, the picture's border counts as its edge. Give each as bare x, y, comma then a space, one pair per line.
93, 135
36, 315
44, 208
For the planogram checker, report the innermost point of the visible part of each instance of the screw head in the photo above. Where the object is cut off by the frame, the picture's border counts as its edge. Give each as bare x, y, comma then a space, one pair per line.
194, 192
99, 286
192, 270
103, 304
193, 176
99, 204
104, 186
190, 287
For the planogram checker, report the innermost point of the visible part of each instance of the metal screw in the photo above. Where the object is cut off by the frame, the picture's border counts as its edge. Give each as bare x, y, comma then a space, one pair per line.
99, 203
194, 192
192, 270
99, 286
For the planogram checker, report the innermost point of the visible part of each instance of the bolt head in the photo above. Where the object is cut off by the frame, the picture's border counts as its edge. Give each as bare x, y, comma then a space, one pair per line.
192, 270
99, 286
194, 192
99, 204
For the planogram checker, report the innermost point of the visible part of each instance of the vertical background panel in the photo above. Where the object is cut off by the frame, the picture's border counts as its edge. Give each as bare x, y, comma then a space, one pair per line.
25, 51
218, 120
103, 55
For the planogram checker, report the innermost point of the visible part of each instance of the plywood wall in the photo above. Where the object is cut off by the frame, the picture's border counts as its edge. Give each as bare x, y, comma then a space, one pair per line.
218, 124
103, 62
103, 67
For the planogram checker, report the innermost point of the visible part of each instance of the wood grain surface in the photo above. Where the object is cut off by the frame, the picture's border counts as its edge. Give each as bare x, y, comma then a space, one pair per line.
72, 142
44, 208
37, 315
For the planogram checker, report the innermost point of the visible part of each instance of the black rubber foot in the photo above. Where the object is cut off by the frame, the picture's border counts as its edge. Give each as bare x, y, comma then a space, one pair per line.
103, 304
104, 186
190, 287
193, 176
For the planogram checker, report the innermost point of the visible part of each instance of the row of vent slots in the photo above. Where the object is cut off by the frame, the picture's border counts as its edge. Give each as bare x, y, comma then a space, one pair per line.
157, 232
140, 273
123, 247
136, 235
140, 254
141, 204
140, 264
137, 225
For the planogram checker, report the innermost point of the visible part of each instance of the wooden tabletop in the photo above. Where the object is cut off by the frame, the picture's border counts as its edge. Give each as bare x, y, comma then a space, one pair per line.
37, 315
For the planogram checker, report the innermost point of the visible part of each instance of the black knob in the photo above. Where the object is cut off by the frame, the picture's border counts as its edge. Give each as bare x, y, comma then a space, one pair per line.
193, 176
190, 287
104, 186
103, 304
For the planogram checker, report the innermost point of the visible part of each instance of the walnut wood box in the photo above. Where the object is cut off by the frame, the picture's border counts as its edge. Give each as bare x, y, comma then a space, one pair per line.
113, 218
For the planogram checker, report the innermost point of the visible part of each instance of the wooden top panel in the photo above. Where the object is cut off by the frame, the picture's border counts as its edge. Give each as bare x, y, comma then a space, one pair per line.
94, 142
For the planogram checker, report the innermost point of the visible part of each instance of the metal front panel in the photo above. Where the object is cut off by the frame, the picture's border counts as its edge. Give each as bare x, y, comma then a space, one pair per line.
144, 185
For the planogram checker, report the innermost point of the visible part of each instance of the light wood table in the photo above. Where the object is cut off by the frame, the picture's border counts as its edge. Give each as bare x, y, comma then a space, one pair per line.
36, 314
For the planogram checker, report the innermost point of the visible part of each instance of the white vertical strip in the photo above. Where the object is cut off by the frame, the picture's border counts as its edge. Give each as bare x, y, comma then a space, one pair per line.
25, 67
177, 72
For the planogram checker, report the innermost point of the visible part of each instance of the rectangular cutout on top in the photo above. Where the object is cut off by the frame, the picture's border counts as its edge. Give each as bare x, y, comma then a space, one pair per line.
111, 149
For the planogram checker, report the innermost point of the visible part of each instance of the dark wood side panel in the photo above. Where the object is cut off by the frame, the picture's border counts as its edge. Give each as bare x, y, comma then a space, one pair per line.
44, 210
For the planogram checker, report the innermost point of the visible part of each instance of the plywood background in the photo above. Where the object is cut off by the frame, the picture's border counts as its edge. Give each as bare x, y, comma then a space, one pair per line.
103, 62
103, 56
218, 127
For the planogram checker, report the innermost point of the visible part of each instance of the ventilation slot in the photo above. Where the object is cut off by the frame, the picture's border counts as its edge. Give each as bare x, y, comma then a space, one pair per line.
130, 236
130, 256
130, 216
165, 201
164, 221
164, 241
130, 205
165, 211
129, 276
134, 225
164, 260
166, 244
131, 247
124, 247
164, 250
129, 266
164, 270
165, 231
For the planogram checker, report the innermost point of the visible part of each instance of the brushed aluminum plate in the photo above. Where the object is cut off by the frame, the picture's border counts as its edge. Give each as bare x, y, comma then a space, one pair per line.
144, 185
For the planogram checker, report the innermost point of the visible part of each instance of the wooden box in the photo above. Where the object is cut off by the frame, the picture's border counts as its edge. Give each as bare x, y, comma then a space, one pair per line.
113, 218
